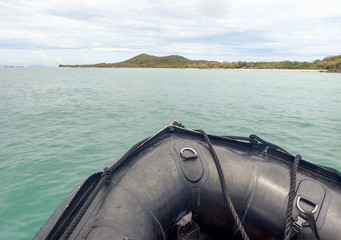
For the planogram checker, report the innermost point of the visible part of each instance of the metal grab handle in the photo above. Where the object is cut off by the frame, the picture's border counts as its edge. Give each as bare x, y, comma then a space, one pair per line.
307, 201
193, 156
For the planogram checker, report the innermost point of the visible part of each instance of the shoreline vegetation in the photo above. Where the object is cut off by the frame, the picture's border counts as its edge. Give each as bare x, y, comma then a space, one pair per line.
328, 64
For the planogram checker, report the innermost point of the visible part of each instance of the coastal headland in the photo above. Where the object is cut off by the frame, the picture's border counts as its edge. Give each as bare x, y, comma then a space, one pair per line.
329, 64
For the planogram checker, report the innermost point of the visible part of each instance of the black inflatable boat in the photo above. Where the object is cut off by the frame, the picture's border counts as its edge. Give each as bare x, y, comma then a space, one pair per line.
184, 184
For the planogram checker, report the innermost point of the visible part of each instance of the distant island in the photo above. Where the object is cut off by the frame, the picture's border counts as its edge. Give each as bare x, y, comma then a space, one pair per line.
10, 66
330, 64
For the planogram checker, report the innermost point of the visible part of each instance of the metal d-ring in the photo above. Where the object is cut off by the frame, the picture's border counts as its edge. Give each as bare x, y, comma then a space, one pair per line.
195, 155
308, 201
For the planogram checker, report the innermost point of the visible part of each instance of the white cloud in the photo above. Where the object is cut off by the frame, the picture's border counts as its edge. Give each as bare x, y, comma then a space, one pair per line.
213, 8
113, 30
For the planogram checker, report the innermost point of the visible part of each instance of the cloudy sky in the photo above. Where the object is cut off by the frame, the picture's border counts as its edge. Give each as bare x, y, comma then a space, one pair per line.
50, 32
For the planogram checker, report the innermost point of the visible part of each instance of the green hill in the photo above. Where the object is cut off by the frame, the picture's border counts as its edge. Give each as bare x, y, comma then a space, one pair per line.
173, 61
332, 63
149, 61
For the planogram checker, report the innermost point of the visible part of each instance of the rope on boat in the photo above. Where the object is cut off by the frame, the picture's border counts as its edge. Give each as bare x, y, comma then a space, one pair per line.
224, 188
105, 177
292, 194
107, 173
254, 139
292, 190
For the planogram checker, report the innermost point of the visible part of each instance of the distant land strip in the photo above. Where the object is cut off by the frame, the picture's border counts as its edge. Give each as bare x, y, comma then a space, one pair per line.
330, 64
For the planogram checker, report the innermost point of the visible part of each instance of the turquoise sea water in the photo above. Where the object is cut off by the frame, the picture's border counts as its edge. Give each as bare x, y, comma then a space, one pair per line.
57, 126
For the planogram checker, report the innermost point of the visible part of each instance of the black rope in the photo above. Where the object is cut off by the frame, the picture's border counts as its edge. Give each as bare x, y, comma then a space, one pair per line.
224, 187
292, 193
254, 139
105, 177
253, 136
237, 138
178, 124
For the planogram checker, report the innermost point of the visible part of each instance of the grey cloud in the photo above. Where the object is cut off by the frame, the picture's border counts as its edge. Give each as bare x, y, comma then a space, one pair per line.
199, 29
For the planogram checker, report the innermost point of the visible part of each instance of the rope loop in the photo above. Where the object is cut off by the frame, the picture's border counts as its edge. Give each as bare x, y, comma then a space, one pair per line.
254, 142
178, 124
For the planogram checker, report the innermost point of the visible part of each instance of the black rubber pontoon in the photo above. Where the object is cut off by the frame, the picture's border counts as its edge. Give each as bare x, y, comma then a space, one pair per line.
168, 187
